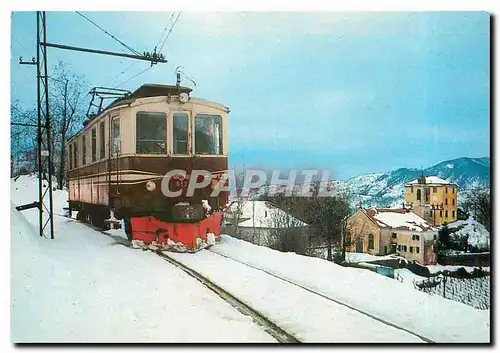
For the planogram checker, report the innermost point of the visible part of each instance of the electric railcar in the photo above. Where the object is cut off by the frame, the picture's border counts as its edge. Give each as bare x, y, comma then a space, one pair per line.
119, 159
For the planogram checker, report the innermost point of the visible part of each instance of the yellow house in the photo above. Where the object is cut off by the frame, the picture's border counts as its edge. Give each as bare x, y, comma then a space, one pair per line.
391, 231
432, 198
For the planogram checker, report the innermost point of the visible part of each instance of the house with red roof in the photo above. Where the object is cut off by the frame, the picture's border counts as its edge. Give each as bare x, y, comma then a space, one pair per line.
392, 231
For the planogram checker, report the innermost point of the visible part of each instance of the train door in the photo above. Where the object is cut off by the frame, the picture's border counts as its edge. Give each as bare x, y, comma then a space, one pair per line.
181, 134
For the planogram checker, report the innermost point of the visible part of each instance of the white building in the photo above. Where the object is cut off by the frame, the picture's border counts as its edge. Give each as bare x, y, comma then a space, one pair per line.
257, 221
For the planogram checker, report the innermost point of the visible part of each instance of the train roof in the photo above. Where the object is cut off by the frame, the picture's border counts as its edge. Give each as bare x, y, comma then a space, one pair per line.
150, 90
145, 91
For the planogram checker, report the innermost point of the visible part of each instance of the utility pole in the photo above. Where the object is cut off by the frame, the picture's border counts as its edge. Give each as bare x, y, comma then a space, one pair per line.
44, 137
45, 165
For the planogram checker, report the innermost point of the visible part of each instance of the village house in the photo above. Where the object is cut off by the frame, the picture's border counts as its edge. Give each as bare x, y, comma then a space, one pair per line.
258, 221
432, 198
391, 231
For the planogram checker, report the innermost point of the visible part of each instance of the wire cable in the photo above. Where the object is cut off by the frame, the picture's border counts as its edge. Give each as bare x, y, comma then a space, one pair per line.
112, 80
165, 29
124, 82
168, 34
112, 36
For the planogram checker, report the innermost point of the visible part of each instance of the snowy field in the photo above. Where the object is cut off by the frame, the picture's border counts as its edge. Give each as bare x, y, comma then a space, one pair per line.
85, 286
378, 295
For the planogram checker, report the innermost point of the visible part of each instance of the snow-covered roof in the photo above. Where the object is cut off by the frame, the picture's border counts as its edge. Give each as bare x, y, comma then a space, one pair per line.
431, 180
398, 219
263, 214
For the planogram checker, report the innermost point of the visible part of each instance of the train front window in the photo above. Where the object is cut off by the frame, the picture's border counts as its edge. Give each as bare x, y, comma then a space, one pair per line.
180, 133
151, 133
208, 134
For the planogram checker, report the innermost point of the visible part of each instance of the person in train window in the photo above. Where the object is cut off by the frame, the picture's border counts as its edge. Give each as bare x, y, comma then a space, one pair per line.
205, 137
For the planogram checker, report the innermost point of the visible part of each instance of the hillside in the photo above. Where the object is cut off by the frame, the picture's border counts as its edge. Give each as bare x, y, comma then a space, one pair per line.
387, 189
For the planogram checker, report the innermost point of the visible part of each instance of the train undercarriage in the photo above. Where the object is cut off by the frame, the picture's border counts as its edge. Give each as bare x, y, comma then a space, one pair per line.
193, 230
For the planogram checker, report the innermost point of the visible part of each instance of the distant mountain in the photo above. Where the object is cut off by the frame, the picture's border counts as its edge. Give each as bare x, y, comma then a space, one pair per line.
387, 189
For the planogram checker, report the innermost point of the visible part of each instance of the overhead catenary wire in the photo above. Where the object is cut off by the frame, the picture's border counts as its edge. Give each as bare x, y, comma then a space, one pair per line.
112, 36
170, 31
165, 29
139, 73
112, 80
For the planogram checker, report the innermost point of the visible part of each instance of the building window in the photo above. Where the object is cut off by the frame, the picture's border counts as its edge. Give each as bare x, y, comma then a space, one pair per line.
180, 133
419, 195
115, 132
394, 235
151, 133
453, 202
445, 201
70, 156
446, 213
411, 248
102, 141
415, 237
94, 145
434, 189
370, 241
84, 149
440, 213
435, 237
405, 248
452, 190
453, 214
412, 189
417, 249
208, 134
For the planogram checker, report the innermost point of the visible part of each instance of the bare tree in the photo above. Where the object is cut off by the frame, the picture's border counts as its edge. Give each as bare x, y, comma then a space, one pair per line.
66, 102
287, 233
23, 138
477, 203
327, 215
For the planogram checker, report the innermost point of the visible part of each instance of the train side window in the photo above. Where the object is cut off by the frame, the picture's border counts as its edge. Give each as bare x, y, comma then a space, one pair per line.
115, 126
208, 134
70, 156
151, 133
84, 149
180, 133
94, 144
75, 154
102, 140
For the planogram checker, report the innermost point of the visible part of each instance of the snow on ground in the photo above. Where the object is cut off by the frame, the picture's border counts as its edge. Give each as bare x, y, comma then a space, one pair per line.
309, 317
477, 235
354, 257
84, 286
25, 190
379, 295
438, 268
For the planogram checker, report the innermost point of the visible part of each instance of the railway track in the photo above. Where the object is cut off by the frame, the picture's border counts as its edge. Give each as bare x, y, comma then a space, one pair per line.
425, 339
270, 327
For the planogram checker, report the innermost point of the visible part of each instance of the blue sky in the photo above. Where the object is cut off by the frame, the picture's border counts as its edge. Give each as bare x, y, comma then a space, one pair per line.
353, 92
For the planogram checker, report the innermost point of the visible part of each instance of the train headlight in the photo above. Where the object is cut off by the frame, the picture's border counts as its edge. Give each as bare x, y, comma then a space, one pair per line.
150, 185
183, 97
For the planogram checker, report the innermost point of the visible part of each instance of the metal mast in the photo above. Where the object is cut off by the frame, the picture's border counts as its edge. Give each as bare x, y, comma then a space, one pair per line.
45, 160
